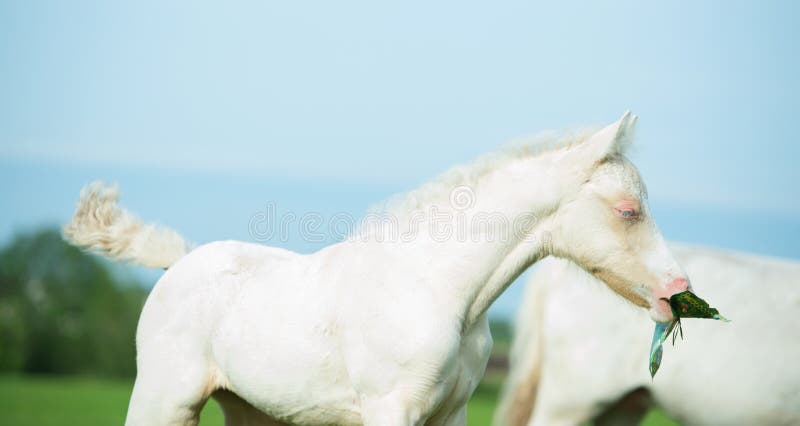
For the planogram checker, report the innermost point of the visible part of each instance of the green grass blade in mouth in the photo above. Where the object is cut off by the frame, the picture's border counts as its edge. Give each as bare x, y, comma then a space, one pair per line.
688, 305
683, 305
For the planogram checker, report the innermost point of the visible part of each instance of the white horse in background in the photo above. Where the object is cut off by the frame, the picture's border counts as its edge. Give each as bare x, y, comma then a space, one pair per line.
578, 349
378, 331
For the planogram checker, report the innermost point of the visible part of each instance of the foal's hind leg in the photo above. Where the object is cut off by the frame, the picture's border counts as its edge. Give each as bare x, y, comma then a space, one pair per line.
170, 390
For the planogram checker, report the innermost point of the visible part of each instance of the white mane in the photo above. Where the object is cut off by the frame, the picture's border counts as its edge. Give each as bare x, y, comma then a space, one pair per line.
438, 190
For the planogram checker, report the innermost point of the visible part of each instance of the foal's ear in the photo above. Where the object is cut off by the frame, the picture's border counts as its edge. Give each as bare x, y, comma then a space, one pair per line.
612, 140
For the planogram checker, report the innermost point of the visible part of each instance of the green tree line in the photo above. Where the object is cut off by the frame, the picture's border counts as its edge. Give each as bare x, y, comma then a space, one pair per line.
62, 311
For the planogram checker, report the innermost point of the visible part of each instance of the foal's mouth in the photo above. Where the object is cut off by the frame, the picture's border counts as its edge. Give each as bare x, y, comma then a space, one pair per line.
665, 301
660, 310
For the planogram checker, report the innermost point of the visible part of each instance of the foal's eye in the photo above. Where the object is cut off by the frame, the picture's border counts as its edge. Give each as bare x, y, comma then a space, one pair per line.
627, 209
627, 213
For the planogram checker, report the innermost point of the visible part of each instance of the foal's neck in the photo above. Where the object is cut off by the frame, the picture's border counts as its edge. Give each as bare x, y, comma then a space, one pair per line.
504, 230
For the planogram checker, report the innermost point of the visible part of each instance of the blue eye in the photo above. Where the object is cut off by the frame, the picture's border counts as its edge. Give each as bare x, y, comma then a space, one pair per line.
627, 213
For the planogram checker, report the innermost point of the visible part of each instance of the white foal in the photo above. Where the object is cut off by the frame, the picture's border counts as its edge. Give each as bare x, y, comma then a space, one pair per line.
578, 348
381, 330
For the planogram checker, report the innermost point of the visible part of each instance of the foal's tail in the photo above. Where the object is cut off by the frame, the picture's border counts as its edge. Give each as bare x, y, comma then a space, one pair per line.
100, 224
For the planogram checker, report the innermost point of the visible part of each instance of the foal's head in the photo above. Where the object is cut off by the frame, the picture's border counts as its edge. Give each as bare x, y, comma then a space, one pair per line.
605, 226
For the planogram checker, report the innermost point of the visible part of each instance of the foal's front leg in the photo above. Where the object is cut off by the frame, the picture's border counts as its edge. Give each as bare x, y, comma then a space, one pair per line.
390, 411
458, 418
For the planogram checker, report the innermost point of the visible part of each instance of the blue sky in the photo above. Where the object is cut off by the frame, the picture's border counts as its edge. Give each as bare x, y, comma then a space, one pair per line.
205, 112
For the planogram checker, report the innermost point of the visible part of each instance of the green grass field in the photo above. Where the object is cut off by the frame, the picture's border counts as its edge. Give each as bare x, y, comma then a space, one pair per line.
49, 401
58, 401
